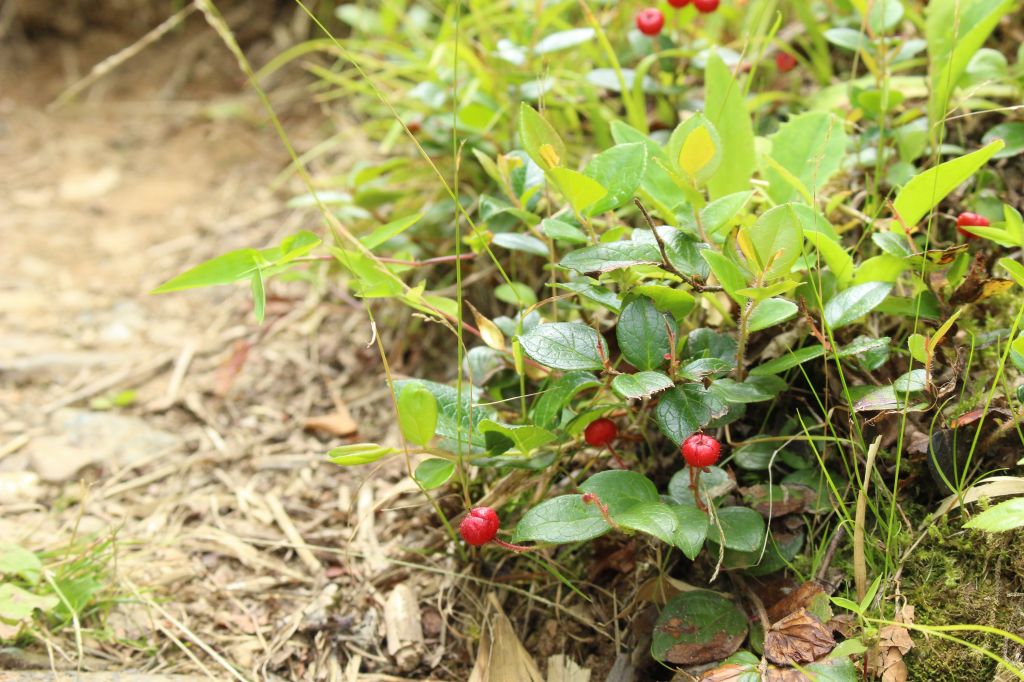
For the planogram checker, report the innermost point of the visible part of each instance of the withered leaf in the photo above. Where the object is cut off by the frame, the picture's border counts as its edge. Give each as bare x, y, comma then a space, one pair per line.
729, 672
942, 256
798, 638
776, 500
885, 658
338, 423
977, 285
797, 599
698, 627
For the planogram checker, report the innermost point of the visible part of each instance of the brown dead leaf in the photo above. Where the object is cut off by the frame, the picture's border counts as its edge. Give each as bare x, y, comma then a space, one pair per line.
773, 674
885, 658
977, 285
797, 599
231, 367
501, 656
337, 423
776, 500
730, 672
798, 638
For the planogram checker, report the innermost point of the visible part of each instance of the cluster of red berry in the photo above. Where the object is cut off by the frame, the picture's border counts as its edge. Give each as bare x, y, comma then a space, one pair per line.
968, 219
650, 21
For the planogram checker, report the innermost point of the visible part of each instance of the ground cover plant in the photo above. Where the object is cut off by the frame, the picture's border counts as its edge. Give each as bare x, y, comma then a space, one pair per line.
723, 306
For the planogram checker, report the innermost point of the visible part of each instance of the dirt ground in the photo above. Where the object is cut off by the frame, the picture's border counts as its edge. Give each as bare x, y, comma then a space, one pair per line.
237, 550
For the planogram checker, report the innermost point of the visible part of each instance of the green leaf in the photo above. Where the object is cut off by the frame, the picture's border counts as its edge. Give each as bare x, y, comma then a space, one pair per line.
706, 343
686, 408
919, 196
359, 453
883, 16
1003, 516
693, 623
612, 256
417, 414
563, 40
579, 190
720, 212
725, 107
557, 395
691, 529
458, 418
654, 518
640, 385
695, 149
562, 231
224, 269
811, 147
643, 334
854, 303
18, 561
619, 170
17, 604
1015, 269
515, 293
535, 133
835, 256
259, 296
955, 30
590, 289
564, 345
1010, 133
848, 38
675, 302
561, 519
620, 490
434, 472
742, 527
726, 272
910, 382
788, 361
715, 482
521, 242
777, 238
753, 390
524, 437
770, 313
391, 230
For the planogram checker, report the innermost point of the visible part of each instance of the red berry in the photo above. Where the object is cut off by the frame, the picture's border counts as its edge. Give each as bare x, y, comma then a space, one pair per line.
706, 6
785, 61
479, 526
967, 219
700, 450
650, 21
679, 4
600, 432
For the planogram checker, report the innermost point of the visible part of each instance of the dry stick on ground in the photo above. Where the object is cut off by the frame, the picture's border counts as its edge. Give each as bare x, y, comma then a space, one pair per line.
860, 569
115, 60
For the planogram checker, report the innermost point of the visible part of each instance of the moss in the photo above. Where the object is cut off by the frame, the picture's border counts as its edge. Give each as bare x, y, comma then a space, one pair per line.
964, 577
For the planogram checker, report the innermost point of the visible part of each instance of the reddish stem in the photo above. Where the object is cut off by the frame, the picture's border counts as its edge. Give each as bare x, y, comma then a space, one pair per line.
592, 498
618, 460
695, 487
514, 548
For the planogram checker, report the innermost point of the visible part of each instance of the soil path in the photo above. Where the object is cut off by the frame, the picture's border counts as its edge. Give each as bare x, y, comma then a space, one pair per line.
157, 443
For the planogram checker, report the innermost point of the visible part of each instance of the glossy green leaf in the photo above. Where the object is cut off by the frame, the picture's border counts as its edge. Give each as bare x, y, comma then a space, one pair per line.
561, 519
417, 414
1015, 269
640, 385
557, 394
752, 390
854, 303
621, 490
691, 529
727, 110
523, 437
743, 529
834, 255
788, 361
684, 409
612, 256
564, 345
726, 272
643, 334
434, 472
458, 418
515, 293
919, 196
521, 242
675, 302
777, 238
619, 170
770, 313
563, 231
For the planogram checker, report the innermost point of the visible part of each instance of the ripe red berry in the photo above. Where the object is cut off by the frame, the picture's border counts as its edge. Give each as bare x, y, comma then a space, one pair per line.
679, 4
700, 450
650, 21
785, 61
479, 526
706, 6
600, 432
967, 219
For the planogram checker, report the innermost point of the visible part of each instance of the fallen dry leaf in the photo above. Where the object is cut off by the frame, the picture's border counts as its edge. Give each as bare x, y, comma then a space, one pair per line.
337, 423
229, 370
798, 638
885, 658
797, 599
730, 672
